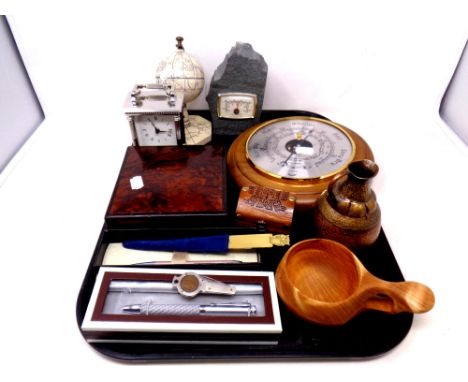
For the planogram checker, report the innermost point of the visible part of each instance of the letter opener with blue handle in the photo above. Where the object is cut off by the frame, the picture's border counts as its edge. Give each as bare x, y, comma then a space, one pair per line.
210, 244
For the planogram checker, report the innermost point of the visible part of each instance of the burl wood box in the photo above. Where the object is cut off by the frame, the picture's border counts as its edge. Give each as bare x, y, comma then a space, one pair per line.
170, 186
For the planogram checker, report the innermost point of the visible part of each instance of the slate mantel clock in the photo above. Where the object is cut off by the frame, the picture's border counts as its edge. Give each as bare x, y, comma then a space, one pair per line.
155, 115
297, 154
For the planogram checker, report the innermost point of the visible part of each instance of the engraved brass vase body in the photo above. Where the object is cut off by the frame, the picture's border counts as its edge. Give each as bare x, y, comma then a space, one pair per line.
348, 211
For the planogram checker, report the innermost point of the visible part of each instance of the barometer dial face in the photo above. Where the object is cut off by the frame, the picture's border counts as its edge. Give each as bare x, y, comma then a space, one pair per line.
237, 105
300, 148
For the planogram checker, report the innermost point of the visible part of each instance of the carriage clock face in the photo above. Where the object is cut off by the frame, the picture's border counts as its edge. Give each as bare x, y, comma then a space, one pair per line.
156, 130
300, 148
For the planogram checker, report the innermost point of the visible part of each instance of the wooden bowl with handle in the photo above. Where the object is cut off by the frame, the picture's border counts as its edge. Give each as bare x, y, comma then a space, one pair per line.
322, 281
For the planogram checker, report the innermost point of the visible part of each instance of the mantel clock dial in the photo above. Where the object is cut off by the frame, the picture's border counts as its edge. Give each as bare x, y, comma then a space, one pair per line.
300, 155
154, 113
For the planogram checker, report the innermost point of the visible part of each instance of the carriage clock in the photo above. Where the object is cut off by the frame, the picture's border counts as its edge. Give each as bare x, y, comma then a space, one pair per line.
154, 113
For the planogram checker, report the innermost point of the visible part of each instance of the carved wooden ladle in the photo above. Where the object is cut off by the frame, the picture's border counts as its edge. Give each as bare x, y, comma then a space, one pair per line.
322, 281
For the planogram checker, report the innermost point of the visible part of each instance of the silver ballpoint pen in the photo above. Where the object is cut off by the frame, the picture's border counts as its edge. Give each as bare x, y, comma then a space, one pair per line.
242, 308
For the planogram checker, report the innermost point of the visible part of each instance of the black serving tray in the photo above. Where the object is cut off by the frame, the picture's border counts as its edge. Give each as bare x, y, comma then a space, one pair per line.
369, 334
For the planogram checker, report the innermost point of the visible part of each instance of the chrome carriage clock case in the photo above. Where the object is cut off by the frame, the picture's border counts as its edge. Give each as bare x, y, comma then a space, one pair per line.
155, 115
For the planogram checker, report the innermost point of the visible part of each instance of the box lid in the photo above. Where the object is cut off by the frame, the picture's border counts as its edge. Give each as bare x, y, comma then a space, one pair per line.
183, 185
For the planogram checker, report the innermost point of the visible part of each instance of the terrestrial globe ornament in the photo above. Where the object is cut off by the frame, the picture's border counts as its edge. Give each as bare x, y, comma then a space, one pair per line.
181, 71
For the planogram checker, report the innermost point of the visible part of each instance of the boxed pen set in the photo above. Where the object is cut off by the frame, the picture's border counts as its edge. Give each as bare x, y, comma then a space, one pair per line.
155, 305
205, 253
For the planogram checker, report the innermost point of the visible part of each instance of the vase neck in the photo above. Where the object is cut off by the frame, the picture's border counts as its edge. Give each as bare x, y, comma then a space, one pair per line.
356, 189
352, 194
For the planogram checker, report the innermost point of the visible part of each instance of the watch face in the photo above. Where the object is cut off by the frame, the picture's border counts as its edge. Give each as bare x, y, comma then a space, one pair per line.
155, 130
300, 148
237, 105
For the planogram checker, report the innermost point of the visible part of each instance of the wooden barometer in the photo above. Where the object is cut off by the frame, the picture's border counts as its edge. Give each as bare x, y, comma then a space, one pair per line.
297, 154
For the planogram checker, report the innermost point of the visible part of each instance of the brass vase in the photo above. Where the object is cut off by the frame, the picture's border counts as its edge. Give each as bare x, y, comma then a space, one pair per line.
348, 211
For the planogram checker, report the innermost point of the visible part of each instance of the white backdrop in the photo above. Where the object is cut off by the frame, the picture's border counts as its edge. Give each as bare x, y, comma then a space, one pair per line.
379, 68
